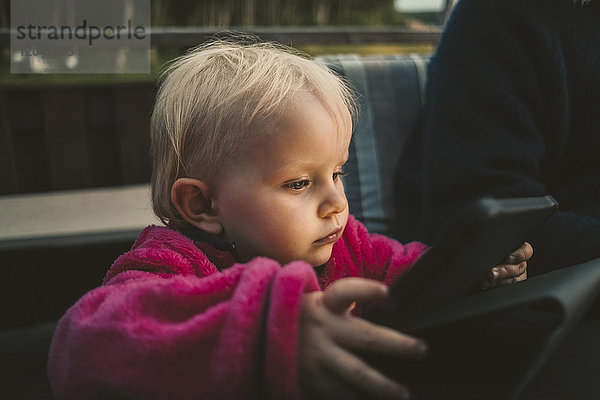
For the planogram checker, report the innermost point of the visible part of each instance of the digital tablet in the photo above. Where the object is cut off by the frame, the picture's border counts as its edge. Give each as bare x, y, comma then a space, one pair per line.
475, 240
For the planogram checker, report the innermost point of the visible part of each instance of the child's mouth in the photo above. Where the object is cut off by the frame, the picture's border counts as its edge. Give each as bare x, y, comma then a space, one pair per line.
331, 238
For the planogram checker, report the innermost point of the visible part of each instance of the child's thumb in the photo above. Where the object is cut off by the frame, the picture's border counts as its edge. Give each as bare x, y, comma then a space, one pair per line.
347, 291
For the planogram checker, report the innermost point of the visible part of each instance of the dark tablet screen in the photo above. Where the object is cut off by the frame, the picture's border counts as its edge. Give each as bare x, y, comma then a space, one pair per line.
476, 239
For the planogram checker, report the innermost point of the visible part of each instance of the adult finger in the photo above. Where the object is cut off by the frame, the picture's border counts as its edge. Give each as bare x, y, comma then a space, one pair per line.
359, 375
344, 292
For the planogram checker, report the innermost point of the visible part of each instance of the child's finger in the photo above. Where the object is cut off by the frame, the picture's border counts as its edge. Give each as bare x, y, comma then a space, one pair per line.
363, 335
356, 373
523, 253
508, 271
512, 280
504, 274
344, 292
489, 281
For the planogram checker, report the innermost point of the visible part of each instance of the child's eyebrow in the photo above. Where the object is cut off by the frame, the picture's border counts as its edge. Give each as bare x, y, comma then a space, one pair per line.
304, 166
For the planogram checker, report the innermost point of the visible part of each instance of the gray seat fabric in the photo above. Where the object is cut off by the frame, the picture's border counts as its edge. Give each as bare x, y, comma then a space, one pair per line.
390, 92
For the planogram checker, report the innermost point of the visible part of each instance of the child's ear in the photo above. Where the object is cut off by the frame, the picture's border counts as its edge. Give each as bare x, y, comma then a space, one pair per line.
192, 199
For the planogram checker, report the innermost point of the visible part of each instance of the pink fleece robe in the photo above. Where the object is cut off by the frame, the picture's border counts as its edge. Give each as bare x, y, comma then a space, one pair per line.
167, 324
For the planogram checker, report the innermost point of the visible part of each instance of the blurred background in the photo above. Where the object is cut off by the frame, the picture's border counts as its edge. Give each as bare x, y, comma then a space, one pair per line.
371, 27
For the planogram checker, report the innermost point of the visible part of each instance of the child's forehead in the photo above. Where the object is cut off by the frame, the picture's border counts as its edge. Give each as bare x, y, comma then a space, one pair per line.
311, 123
318, 112
309, 138
314, 106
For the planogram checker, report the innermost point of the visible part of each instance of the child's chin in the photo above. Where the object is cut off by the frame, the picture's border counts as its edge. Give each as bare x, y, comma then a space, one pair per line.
322, 257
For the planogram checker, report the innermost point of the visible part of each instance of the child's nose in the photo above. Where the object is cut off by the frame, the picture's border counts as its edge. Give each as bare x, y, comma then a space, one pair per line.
334, 203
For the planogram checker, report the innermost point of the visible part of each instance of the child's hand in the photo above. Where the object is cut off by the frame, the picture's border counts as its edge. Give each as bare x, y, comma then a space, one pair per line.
329, 335
512, 269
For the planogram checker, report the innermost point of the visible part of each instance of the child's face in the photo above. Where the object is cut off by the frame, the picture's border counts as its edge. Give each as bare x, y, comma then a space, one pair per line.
285, 199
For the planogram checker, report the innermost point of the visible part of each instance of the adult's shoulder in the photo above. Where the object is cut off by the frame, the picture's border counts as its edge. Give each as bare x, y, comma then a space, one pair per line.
521, 33
498, 9
496, 16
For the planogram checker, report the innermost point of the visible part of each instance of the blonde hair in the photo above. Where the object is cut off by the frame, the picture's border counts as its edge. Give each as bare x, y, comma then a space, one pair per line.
216, 97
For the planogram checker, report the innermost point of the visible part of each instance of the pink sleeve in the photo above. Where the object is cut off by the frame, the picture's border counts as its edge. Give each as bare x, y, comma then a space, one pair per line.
393, 258
380, 258
227, 335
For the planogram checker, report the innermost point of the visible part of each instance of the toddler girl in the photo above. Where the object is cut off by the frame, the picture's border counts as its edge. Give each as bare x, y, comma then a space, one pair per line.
247, 290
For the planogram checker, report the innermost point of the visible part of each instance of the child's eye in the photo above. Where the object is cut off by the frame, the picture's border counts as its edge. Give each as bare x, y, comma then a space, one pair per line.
338, 174
298, 185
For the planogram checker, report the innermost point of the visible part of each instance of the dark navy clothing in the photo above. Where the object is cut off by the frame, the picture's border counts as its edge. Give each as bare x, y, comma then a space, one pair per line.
512, 109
